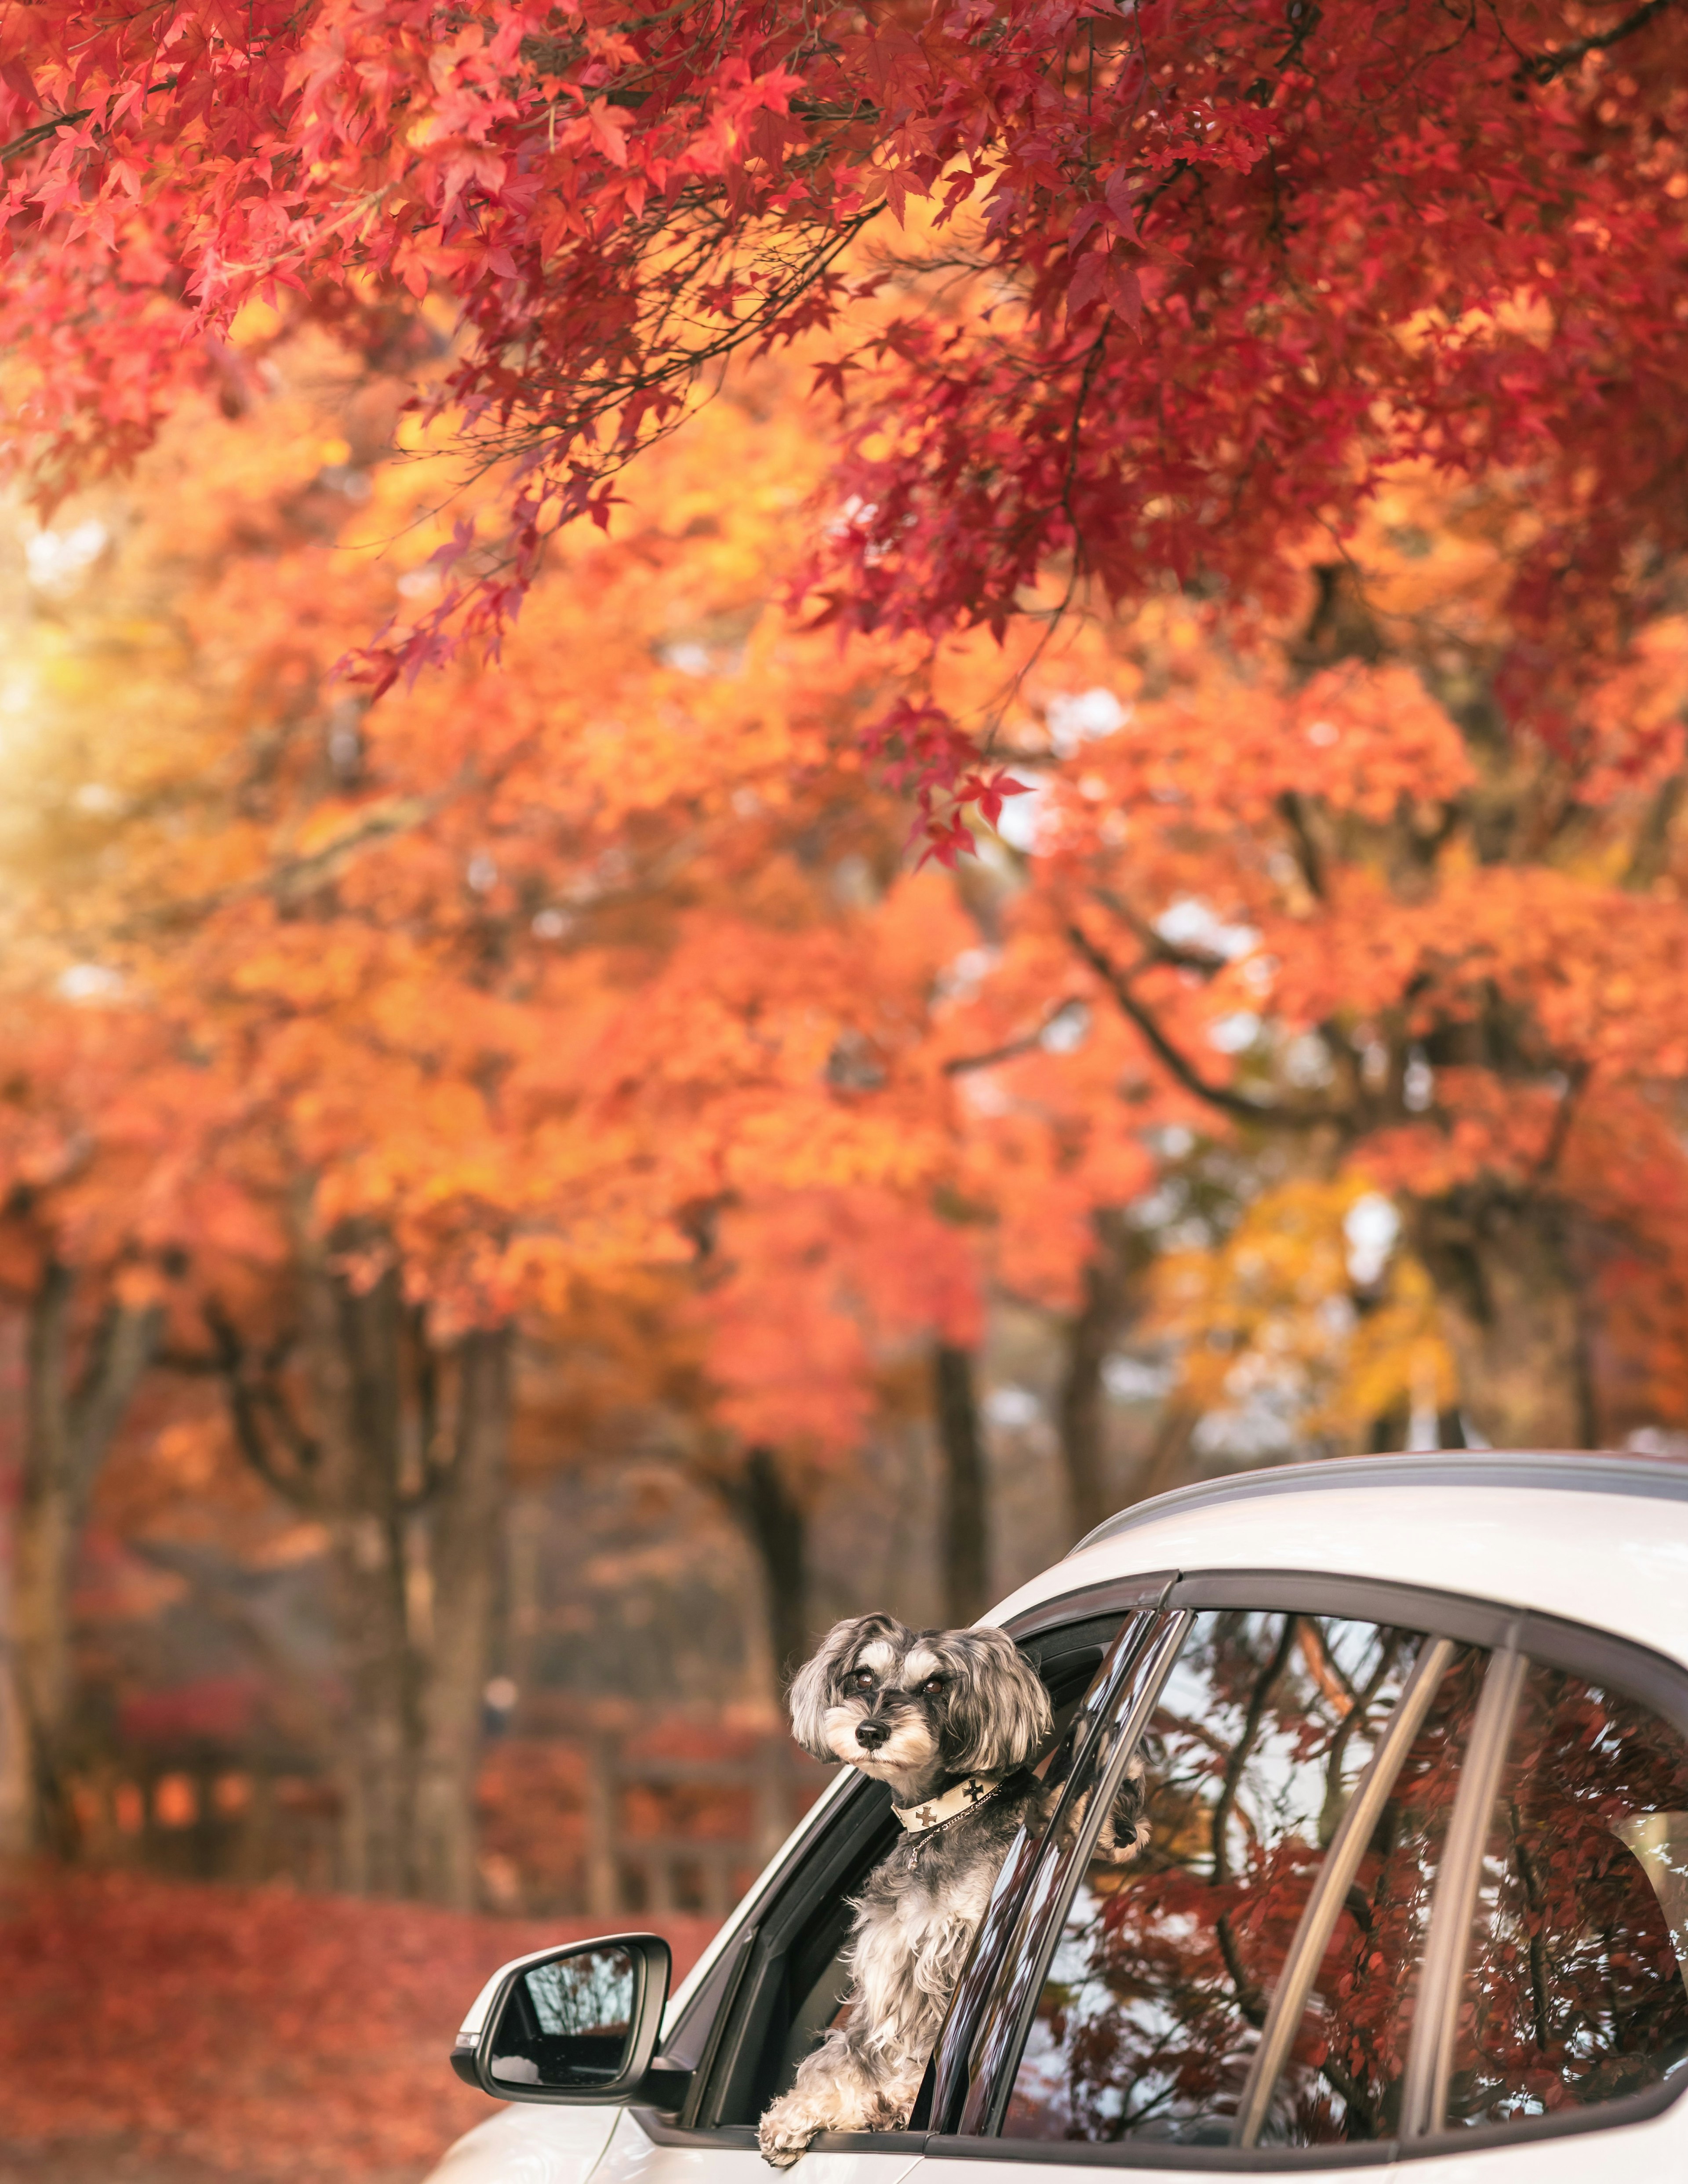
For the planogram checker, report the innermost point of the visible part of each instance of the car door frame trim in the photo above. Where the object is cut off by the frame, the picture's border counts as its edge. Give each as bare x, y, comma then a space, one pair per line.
1447, 1943
955, 2056
1583, 1648
1148, 1672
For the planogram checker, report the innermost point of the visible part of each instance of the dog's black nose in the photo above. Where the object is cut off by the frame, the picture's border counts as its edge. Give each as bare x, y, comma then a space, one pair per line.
871, 1734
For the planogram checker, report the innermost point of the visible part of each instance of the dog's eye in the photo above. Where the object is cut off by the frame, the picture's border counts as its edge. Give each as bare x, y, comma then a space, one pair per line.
932, 1686
863, 1680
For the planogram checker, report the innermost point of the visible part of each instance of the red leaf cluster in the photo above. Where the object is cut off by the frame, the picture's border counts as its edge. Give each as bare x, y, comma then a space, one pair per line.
1223, 267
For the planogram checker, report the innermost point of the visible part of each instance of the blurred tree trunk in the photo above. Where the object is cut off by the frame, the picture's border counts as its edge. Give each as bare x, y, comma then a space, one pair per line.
964, 1518
68, 1429
466, 1520
1512, 1312
1168, 1461
763, 1502
353, 1348
402, 1461
1389, 1429
1091, 1335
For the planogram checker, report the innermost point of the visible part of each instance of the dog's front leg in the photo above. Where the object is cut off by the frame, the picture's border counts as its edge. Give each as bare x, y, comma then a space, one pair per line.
837, 2088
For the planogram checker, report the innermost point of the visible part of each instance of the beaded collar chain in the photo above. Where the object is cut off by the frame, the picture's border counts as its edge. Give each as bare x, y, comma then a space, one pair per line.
962, 1797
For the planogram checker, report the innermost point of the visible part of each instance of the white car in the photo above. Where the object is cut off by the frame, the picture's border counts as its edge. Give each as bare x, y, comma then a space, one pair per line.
1415, 1891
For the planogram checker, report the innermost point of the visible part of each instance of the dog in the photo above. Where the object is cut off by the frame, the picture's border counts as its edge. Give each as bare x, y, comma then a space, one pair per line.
953, 1721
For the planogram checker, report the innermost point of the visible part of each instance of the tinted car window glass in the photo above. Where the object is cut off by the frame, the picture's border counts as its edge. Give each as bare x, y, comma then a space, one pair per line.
1165, 1964
1576, 1991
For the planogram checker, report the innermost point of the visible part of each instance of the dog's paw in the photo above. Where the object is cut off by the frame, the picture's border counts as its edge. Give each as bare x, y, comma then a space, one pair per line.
783, 2134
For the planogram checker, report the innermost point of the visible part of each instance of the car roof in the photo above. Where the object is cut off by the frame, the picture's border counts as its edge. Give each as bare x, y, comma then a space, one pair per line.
1595, 1538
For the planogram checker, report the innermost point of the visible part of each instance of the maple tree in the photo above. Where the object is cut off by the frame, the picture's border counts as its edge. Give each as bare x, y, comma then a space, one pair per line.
1341, 1349
1152, 306
513, 991
1350, 905
97, 1143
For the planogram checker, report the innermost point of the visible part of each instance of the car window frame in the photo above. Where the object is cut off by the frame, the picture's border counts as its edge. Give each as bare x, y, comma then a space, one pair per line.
984, 2051
1506, 1631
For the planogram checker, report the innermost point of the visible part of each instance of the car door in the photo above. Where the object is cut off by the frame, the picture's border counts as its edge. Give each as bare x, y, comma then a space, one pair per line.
1415, 1886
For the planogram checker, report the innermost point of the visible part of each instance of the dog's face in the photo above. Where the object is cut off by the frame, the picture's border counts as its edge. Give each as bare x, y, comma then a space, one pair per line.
908, 1706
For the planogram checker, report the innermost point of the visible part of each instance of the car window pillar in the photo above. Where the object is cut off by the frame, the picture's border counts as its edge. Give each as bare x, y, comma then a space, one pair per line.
994, 2050
1424, 2095
948, 2073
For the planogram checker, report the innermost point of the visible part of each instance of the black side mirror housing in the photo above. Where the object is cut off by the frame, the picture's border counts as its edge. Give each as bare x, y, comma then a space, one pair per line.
577, 2024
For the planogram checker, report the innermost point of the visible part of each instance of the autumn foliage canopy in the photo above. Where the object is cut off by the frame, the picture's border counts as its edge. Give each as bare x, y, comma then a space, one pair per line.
1166, 288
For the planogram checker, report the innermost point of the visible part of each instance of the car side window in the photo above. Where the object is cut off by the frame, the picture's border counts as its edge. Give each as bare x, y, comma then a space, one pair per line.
1576, 1979
1158, 1994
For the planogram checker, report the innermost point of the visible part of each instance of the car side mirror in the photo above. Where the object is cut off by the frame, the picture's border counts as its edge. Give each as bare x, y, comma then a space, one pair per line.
576, 2024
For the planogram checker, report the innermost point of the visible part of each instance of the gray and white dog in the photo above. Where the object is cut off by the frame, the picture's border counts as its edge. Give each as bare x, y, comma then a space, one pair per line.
952, 1719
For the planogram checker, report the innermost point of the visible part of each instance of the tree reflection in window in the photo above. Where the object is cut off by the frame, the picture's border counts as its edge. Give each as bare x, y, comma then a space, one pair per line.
1576, 1991
1162, 1977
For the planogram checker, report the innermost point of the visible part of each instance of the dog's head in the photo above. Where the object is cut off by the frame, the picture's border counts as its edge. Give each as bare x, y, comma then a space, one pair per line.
903, 1705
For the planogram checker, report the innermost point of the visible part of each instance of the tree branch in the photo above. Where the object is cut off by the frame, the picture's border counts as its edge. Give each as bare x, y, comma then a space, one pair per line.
958, 1064
41, 131
1542, 68
247, 1409
1293, 809
1563, 1115
1221, 1096
292, 876
1177, 953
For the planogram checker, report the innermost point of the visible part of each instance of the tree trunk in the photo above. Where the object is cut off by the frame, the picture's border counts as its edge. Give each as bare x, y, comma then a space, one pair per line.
1083, 1410
353, 1349
1082, 1406
964, 1540
773, 1521
68, 1432
1511, 1312
412, 1511
466, 1539
1168, 1456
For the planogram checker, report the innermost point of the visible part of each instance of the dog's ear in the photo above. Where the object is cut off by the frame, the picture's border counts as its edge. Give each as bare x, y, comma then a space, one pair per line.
811, 1687
999, 1716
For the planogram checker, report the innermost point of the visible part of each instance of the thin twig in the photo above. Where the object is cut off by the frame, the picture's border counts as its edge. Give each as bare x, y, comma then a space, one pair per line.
1542, 68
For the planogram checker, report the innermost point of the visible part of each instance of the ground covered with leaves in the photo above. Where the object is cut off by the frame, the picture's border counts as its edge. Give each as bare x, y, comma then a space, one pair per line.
162, 2033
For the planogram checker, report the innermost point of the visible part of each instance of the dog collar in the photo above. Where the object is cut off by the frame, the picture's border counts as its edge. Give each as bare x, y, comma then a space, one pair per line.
966, 1795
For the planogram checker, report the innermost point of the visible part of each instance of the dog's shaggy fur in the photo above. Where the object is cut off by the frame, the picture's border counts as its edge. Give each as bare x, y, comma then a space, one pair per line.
923, 1711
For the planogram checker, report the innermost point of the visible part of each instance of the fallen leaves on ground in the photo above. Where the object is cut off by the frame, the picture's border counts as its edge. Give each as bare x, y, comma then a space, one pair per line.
244, 2032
